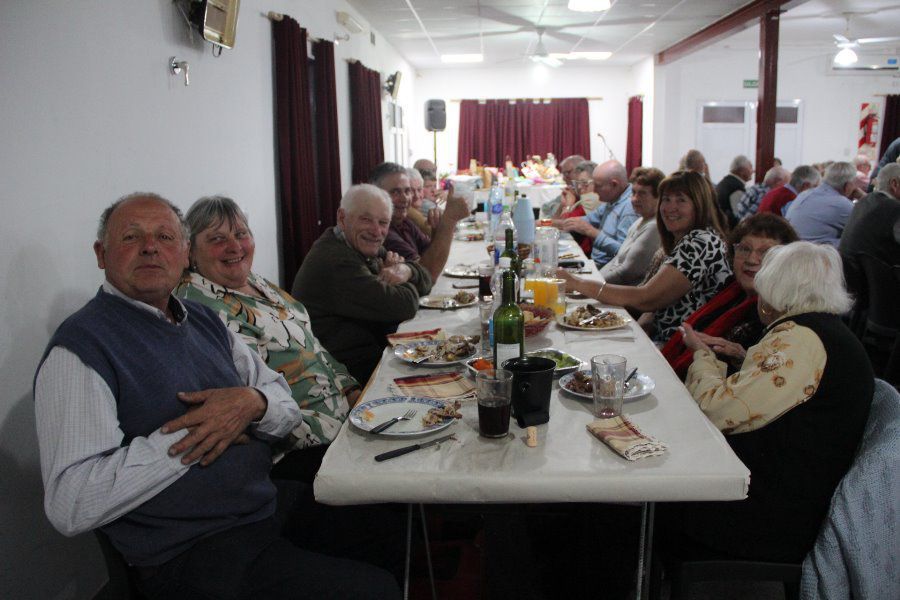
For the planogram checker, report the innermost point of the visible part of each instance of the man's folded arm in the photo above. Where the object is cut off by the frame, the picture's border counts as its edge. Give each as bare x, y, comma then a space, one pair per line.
89, 478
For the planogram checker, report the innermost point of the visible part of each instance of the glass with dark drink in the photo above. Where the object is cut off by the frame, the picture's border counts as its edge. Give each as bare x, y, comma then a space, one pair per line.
485, 273
493, 390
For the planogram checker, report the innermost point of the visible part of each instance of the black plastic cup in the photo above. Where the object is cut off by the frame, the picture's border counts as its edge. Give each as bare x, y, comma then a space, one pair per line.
532, 382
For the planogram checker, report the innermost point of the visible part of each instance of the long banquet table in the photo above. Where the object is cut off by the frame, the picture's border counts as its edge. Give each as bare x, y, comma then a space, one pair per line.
569, 465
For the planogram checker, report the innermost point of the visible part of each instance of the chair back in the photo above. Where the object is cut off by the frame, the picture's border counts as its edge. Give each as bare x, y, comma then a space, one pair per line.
883, 290
857, 553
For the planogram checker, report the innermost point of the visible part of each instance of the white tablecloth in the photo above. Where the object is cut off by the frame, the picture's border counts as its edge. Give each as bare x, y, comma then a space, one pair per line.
542, 193
569, 465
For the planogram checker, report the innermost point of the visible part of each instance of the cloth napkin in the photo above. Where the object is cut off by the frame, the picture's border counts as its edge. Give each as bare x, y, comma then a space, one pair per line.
416, 336
625, 438
443, 386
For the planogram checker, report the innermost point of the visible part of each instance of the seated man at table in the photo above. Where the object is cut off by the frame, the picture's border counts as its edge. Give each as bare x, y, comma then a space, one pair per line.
820, 214
155, 423
357, 293
404, 237
803, 178
607, 224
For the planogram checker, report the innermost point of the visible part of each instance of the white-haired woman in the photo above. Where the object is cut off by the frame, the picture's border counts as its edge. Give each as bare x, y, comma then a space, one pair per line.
793, 414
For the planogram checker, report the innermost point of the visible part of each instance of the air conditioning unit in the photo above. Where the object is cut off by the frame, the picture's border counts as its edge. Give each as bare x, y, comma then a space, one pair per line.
869, 63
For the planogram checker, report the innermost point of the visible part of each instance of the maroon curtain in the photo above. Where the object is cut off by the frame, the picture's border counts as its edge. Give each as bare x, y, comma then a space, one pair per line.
367, 142
492, 130
634, 146
293, 128
328, 148
890, 126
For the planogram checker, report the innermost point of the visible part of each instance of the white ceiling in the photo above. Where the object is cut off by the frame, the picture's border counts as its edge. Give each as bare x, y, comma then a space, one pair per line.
505, 30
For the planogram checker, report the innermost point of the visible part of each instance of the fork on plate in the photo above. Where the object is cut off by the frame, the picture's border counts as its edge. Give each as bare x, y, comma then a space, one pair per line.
404, 417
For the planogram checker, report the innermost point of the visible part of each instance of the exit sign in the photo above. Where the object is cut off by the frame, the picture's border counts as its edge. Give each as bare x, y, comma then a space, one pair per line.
751, 83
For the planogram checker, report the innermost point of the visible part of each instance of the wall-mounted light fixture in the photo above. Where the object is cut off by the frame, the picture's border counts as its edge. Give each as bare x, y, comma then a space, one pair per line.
177, 66
349, 23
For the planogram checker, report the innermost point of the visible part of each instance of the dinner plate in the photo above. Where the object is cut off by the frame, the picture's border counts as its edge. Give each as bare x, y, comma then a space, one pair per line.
445, 302
463, 271
372, 413
639, 386
406, 353
561, 321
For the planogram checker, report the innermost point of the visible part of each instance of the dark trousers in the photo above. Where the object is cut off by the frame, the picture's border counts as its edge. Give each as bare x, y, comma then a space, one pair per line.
254, 562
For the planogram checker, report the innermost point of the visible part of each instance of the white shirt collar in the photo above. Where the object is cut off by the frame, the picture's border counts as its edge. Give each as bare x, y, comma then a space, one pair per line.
179, 312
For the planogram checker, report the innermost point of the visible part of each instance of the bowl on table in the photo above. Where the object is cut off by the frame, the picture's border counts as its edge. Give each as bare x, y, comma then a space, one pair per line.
540, 318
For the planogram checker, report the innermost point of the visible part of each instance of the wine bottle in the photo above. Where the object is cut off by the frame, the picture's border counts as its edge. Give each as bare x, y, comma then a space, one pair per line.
509, 324
510, 251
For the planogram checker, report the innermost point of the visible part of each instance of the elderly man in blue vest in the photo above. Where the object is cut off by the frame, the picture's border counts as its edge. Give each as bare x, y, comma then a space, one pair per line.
155, 424
607, 224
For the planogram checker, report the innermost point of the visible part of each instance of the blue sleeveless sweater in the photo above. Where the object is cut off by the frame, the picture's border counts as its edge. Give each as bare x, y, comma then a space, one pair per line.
146, 361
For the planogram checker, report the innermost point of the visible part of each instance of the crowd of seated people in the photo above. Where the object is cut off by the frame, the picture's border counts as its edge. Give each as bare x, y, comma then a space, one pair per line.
748, 316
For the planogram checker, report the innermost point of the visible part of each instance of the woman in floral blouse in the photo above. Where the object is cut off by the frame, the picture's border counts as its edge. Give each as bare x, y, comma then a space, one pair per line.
268, 319
794, 413
696, 258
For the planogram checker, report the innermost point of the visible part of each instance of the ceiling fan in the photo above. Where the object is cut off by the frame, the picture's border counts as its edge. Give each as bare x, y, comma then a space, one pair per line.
846, 55
540, 54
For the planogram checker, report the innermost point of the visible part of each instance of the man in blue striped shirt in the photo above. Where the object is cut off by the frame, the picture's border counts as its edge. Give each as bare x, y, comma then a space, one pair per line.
606, 225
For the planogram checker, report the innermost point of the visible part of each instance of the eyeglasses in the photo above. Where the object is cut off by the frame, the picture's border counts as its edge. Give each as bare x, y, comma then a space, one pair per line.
744, 251
400, 192
582, 184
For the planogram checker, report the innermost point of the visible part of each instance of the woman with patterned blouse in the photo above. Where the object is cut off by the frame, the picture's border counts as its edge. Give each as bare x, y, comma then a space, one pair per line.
794, 413
696, 264
266, 317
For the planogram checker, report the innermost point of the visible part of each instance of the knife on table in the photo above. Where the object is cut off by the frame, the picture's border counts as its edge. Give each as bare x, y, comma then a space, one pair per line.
413, 448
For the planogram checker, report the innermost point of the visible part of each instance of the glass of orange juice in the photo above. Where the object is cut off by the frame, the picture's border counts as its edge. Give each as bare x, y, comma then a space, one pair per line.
557, 289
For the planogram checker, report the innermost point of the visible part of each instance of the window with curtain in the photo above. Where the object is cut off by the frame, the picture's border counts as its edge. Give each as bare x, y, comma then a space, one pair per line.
492, 130
367, 138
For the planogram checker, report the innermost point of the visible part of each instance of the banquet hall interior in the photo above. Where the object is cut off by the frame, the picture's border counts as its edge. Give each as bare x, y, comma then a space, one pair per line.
104, 98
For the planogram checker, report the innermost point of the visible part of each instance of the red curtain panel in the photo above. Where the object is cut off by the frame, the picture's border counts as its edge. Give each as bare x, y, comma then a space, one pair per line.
492, 130
890, 127
634, 145
367, 141
328, 147
293, 130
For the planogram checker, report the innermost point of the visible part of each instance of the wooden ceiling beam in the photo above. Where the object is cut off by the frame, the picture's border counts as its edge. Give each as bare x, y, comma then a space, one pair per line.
744, 17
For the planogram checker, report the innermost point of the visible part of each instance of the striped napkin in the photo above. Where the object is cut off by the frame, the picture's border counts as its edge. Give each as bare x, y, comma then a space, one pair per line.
625, 438
416, 336
443, 386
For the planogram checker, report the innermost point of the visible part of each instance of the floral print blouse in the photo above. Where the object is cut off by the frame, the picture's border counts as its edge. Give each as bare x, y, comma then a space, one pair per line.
277, 327
779, 373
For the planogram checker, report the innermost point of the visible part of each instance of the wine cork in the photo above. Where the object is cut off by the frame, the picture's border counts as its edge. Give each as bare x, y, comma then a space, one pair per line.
531, 440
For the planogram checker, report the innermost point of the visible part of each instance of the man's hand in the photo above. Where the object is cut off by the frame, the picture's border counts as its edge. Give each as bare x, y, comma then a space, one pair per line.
391, 259
579, 225
396, 274
692, 339
722, 346
456, 210
216, 419
434, 218
353, 397
568, 199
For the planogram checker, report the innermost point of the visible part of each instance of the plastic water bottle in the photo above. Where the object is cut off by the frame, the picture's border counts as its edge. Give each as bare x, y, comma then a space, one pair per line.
494, 208
505, 222
523, 217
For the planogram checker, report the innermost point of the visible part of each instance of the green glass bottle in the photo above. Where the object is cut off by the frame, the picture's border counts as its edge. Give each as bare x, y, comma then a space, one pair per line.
510, 251
508, 323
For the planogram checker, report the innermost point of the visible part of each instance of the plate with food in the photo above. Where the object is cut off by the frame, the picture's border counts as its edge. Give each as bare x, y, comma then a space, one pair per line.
463, 271
589, 317
565, 362
460, 299
580, 384
437, 353
430, 415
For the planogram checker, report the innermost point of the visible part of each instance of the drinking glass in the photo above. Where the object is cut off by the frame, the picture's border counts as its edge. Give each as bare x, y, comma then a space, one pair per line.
608, 378
485, 272
493, 387
486, 313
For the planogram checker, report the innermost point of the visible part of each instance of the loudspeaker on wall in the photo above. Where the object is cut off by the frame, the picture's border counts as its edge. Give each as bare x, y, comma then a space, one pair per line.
435, 115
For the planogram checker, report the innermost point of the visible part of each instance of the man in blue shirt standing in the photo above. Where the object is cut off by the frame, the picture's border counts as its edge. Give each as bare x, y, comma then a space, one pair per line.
606, 225
820, 214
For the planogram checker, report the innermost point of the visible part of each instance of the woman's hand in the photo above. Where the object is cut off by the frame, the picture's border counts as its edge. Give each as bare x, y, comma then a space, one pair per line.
722, 346
692, 339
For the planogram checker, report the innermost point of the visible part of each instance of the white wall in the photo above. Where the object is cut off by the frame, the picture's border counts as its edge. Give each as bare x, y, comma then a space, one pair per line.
608, 116
830, 102
88, 112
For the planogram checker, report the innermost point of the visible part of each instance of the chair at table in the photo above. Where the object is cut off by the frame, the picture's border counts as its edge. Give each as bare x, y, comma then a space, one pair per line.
882, 323
857, 547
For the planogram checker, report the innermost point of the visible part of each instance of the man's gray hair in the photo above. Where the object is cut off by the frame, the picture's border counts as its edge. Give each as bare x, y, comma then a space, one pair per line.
885, 175
415, 176
839, 174
805, 174
362, 193
861, 160
103, 227
380, 172
803, 277
739, 162
586, 166
776, 175
212, 211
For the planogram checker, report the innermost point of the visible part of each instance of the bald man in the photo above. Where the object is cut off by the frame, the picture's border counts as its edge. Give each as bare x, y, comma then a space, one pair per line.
606, 225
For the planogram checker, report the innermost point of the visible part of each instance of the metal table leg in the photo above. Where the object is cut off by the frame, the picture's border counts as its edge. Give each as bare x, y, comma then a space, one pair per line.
409, 523
645, 550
